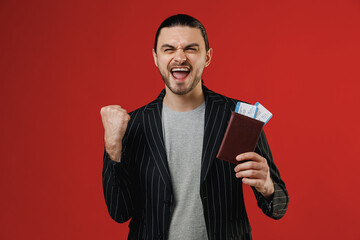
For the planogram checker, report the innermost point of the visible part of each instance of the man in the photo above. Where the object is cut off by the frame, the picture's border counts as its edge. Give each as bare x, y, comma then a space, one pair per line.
160, 165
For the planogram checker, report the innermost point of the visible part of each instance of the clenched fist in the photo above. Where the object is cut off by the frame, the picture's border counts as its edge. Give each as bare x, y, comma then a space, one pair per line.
115, 120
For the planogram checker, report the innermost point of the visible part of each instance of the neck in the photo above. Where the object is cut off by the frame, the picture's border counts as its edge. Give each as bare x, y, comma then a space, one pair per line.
184, 103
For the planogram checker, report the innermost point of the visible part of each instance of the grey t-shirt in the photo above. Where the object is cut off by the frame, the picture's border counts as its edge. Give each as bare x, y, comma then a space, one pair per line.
183, 135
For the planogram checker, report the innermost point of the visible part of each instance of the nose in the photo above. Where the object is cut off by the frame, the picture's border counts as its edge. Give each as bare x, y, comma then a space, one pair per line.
180, 56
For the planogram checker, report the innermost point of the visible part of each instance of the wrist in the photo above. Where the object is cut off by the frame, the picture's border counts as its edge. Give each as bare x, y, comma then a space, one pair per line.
114, 151
268, 190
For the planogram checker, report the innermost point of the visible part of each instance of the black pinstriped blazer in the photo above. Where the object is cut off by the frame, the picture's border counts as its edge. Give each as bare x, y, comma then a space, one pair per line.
140, 186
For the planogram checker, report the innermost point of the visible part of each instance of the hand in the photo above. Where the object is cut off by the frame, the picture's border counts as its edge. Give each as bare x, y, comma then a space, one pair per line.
255, 172
115, 120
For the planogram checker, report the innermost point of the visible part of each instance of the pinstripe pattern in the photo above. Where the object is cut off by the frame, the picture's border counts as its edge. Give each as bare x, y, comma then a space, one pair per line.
140, 186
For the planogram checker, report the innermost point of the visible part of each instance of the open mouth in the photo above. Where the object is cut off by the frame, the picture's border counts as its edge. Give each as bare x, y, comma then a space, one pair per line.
180, 72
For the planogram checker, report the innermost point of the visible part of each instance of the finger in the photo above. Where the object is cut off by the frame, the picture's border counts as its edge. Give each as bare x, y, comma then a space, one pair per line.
252, 182
249, 156
125, 116
123, 110
110, 108
115, 106
248, 165
253, 174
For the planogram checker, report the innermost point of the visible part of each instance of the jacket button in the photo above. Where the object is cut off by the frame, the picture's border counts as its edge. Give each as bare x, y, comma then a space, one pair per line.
167, 202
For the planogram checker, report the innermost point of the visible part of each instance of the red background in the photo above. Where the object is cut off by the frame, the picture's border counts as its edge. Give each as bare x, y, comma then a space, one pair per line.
60, 61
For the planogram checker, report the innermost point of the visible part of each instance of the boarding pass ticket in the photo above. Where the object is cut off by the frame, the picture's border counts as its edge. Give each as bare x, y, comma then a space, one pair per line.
256, 111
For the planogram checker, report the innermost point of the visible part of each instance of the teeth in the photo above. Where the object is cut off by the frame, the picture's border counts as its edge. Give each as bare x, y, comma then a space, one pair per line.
180, 70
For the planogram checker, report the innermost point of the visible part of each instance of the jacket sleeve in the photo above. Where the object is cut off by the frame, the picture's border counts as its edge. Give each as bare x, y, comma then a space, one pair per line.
119, 182
275, 207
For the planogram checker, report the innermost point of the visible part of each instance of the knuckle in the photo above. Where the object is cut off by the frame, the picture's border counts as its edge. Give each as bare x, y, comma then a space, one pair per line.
265, 168
125, 118
104, 110
121, 120
265, 176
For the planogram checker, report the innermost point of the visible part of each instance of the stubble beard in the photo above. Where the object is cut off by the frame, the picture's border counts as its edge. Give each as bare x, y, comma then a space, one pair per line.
179, 91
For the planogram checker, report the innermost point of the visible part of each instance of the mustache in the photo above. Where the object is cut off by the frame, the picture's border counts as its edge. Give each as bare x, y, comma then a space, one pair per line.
181, 65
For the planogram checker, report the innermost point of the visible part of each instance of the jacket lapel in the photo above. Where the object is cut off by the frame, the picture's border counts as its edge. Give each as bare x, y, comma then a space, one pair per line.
216, 117
154, 136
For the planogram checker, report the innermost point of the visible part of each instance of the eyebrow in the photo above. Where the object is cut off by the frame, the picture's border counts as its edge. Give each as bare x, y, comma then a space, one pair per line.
167, 45
187, 46
192, 45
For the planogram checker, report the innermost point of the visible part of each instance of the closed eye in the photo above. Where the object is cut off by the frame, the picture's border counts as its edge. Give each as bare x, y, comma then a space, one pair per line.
192, 49
167, 48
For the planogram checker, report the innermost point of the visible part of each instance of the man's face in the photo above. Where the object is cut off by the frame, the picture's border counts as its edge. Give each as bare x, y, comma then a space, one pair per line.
181, 58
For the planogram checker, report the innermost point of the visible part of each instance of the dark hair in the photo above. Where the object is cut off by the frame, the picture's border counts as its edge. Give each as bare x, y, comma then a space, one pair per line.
182, 20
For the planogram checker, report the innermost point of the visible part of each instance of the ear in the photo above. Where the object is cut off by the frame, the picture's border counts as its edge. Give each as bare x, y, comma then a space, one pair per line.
208, 57
155, 57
